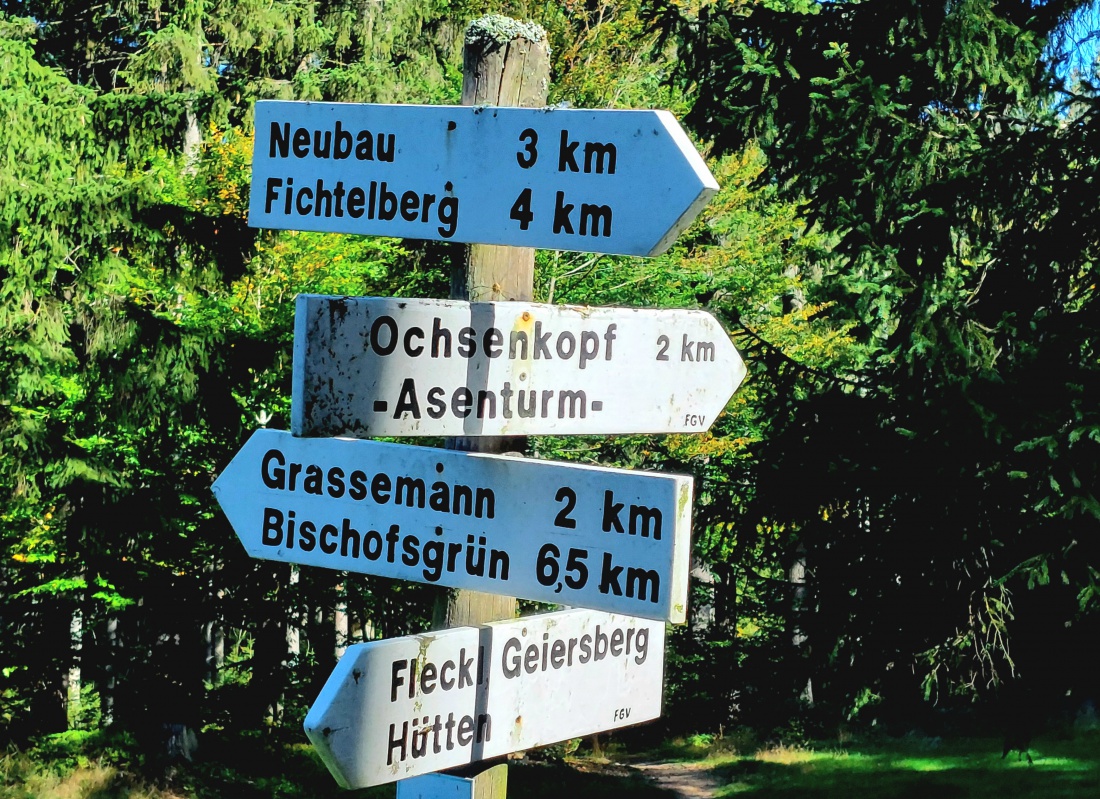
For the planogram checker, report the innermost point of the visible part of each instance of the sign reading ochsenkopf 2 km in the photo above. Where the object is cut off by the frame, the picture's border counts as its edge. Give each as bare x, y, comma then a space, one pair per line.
388, 367
407, 706
592, 181
609, 539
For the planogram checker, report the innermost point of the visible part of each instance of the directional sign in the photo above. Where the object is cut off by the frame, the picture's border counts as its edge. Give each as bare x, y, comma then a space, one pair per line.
610, 539
394, 709
593, 181
370, 366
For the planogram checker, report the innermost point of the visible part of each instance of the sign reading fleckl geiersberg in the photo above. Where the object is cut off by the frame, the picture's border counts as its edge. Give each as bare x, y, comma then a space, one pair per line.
406, 706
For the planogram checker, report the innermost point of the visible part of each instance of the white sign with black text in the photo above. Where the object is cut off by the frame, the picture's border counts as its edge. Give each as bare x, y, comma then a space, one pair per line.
407, 706
610, 539
603, 181
374, 366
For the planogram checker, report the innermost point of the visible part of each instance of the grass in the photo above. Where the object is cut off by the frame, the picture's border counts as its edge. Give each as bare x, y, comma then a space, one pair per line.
578, 779
260, 767
23, 778
911, 769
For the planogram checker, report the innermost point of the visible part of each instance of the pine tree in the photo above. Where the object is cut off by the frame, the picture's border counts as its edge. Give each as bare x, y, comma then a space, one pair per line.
950, 151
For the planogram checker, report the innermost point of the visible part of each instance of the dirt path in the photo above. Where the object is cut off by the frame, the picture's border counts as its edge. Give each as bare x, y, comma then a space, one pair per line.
687, 780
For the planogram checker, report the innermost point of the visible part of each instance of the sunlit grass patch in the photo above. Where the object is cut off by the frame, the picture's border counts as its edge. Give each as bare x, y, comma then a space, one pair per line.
788, 755
88, 781
930, 763
952, 769
84, 783
1062, 763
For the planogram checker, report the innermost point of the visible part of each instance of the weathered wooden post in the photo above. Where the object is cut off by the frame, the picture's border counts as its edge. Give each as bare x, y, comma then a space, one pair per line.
504, 63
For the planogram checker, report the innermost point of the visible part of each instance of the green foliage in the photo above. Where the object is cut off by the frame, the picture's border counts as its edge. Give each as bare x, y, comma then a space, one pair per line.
67, 214
243, 51
912, 766
945, 156
744, 258
604, 57
146, 329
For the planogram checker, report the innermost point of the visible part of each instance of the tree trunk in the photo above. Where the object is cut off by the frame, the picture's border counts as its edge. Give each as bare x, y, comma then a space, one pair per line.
110, 679
214, 630
512, 73
799, 596
340, 618
76, 642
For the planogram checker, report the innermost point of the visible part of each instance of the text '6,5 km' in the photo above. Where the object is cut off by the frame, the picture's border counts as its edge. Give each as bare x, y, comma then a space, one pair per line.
608, 539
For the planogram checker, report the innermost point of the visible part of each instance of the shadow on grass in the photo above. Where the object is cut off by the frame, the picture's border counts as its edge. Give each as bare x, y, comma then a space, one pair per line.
260, 766
964, 769
263, 769
555, 780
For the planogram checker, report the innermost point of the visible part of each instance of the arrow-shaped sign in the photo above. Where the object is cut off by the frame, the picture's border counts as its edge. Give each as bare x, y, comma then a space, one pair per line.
367, 366
611, 539
406, 706
593, 181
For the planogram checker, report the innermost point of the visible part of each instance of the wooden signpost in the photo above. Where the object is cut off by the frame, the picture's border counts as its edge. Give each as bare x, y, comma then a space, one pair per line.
373, 366
486, 368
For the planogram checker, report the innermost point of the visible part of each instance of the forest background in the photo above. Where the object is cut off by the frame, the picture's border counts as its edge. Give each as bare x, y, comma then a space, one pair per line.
896, 520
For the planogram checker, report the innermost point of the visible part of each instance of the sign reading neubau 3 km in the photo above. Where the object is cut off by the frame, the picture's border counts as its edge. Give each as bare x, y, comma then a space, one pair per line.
609, 539
397, 708
591, 181
371, 366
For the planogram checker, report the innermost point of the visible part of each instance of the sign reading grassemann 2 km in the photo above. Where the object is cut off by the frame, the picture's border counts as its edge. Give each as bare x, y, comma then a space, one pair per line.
625, 182
608, 539
407, 706
371, 366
